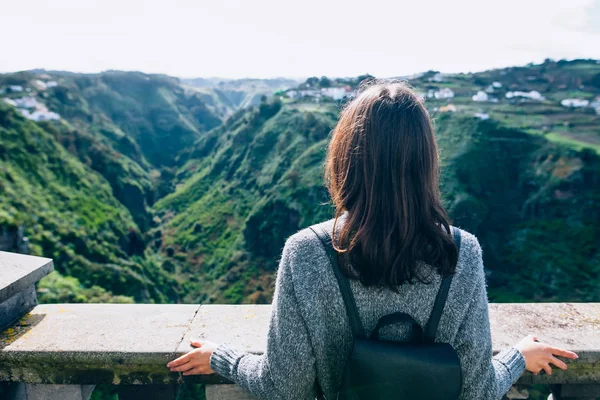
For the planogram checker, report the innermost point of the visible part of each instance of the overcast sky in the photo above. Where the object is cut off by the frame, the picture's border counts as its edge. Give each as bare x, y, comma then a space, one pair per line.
268, 38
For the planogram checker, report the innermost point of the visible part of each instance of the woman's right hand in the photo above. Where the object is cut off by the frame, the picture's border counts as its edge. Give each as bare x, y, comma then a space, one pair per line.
538, 356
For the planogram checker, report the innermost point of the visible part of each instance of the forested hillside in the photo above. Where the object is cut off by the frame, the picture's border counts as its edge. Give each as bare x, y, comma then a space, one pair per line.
69, 214
144, 189
256, 180
122, 134
225, 96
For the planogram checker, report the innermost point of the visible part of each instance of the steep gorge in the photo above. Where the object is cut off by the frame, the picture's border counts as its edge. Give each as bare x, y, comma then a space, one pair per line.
141, 193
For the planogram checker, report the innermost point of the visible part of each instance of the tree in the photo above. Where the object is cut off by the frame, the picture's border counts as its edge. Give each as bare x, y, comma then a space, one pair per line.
363, 78
312, 81
324, 82
267, 110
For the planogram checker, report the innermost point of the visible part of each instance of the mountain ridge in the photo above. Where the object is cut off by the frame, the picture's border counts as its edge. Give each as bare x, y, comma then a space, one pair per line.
199, 194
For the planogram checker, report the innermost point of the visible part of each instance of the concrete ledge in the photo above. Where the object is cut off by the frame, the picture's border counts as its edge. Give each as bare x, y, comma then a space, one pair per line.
130, 344
14, 307
18, 276
22, 391
18, 272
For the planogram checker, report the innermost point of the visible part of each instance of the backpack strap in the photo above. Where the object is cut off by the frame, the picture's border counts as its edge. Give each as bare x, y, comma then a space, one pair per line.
348, 296
344, 285
440, 299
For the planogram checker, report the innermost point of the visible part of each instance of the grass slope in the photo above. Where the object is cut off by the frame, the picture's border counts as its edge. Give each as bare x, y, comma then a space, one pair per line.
69, 213
254, 181
246, 187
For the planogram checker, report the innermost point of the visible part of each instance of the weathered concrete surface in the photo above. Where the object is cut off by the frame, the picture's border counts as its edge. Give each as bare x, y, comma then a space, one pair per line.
50, 392
244, 326
130, 344
227, 392
95, 343
18, 272
18, 305
573, 326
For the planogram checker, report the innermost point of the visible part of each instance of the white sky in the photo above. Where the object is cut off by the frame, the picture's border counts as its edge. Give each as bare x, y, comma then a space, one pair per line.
267, 38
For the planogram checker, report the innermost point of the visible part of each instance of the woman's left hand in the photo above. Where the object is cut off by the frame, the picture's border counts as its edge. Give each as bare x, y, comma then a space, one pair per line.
195, 362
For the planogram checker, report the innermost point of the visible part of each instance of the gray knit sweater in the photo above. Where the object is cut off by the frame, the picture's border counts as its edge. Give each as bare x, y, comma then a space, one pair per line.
310, 339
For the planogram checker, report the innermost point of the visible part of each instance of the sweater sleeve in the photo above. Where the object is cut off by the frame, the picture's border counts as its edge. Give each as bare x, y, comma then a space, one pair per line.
287, 368
484, 377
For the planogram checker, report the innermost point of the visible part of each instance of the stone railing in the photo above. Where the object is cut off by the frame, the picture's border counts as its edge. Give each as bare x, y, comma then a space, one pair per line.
60, 351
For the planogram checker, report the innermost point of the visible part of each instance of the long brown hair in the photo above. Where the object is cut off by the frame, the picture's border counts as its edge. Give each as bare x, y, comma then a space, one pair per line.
382, 173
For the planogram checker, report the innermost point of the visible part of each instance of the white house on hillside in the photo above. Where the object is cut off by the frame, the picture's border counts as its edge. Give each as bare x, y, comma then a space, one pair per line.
443, 93
309, 93
533, 95
40, 115
575, 103
336, 93
39, 85
596, 104
10, 102
439, 77
27, 102
480, 96
32, 109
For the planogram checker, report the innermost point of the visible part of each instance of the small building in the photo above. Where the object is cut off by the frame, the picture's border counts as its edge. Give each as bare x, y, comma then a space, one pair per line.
44, 116
535, 95
480, 96
438, 77
15, 88
51, 84
336, 93
448, 108
482, 116
40, 115
443, 93
496, 85
574, 103
10, 102
32, 109
532, 95
309, 93
39, 85
27, 102
596, 104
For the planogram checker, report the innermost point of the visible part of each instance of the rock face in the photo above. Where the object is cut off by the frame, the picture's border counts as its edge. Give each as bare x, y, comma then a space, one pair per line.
13, 239
18, 276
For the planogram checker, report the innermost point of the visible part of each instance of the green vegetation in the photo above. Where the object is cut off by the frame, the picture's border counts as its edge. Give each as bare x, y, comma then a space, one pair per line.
68, 210
151, 190
246, 187
555, 81
82, 188
519, 193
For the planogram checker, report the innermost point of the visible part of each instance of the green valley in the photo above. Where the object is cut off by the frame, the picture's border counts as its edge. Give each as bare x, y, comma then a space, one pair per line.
149, 188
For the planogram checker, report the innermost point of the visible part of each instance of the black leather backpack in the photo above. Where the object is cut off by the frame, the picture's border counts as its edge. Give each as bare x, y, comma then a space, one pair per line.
380, 369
